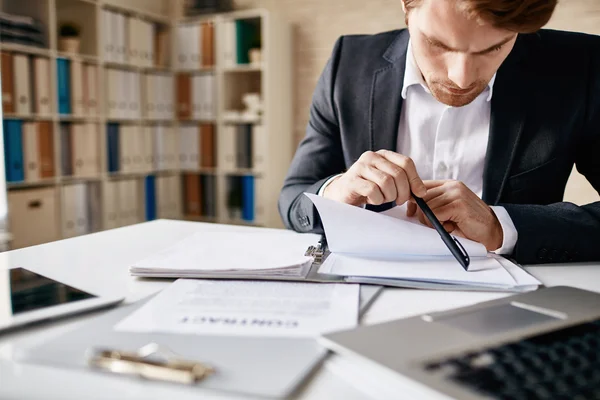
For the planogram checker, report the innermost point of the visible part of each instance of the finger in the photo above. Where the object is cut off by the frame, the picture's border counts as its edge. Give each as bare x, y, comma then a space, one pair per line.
416, 184
423, 219
430, 184
386, 183
368, 190
449, 226
411, 209
434, 193
399, 176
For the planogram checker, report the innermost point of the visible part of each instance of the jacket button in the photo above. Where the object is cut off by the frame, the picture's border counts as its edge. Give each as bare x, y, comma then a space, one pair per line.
542, 254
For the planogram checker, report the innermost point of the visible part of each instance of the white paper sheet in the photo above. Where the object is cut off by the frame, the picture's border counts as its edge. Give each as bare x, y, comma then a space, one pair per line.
255, 253
482, 271
247, 309
355, 230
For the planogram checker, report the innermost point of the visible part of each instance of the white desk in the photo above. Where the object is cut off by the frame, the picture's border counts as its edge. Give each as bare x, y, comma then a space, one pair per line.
99, 263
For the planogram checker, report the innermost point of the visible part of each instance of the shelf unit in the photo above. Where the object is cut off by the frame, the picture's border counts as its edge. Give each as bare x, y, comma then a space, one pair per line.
273, 75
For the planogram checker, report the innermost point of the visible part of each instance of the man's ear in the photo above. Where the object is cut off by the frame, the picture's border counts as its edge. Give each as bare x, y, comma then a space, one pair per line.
403, 6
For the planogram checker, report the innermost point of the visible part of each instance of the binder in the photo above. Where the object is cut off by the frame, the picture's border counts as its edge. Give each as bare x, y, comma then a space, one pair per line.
112, 136
125, 201
109, 34
209, 191
161, 49
75, 218
173, 195
64, 91
66, 149
7, 76
149, 35
192, 195
119, 36
234, 197
159, 147
198, 98
41, 67
13, 147
194, 43
229, 44
244, 146
46, 149
94, 208
168, 91
126, 148
151, 99
171, 148
248, 198
123, 93
39, 207
184, 109
78, 140
246, 35
208, 48
77, 98
227, 148
207, 146
110, 201
30, 153
148, 153
22, 84
91, 77
210, 103
91, 149
150, 196
181, 60
135, 100
135, 37
259, 148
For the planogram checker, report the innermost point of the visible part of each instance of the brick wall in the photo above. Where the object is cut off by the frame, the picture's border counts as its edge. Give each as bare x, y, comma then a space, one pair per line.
318, 23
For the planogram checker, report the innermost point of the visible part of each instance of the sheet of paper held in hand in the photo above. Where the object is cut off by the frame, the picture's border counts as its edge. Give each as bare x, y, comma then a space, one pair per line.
392, 245
246, 308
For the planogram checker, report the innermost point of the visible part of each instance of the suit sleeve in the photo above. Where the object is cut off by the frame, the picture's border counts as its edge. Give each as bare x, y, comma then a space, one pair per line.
318, 156
564, 232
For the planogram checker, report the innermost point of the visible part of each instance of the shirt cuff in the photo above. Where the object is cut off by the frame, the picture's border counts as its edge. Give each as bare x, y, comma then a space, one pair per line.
509, 231
327, 182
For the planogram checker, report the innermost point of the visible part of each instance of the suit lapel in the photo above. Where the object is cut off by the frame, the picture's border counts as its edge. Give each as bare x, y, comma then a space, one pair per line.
506, 123
386, 96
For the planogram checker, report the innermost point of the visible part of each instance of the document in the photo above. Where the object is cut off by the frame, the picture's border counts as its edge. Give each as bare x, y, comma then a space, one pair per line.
250, 308
391, 246
355, 230
232, 254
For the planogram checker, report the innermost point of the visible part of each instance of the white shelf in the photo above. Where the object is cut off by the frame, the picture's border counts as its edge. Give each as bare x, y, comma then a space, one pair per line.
19, 48
244, 68
31, 184
78, 57
30, 117
143, 14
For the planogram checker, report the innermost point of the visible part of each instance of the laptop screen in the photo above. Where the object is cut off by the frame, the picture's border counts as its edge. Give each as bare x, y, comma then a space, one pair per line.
22, 290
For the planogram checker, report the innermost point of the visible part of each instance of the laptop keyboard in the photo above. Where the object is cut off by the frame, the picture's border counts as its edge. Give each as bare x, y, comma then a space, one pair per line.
563, 364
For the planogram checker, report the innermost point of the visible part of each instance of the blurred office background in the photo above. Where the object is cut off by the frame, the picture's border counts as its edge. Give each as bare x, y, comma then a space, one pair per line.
118, 112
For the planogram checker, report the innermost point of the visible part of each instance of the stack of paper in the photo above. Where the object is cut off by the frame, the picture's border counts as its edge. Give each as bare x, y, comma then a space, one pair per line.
217, 254
391, 249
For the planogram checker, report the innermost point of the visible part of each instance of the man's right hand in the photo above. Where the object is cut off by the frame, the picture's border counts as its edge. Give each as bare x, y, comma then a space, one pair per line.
377, 178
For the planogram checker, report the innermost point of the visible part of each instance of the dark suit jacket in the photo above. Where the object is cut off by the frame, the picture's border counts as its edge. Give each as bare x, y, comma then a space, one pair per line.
545, 117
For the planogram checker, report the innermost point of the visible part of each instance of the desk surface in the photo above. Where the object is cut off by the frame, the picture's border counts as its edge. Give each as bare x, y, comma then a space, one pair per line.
99, 263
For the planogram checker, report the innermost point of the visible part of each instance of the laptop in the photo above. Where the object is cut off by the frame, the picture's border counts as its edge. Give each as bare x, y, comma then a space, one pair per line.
27, 297
538, 345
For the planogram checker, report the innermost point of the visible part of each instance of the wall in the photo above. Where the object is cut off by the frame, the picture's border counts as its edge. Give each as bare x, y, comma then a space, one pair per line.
318, 23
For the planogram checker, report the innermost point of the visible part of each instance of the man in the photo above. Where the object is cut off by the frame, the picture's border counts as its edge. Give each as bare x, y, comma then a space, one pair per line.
475, 109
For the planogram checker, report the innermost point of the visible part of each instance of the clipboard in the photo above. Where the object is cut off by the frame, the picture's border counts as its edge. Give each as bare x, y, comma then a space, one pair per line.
268, 367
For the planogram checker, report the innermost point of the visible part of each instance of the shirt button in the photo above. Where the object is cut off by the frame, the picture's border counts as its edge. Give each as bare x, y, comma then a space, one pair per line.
442, 168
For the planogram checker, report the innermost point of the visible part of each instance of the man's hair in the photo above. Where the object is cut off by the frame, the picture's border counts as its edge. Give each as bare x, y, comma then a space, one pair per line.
521, 16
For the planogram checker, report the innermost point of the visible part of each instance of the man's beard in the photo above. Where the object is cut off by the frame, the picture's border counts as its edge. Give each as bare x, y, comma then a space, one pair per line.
455, 97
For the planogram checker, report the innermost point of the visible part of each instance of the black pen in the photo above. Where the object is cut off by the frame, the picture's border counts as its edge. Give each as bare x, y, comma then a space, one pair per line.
457, 249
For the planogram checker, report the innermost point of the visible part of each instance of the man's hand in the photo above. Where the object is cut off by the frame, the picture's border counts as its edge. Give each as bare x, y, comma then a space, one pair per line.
377, 178
461, 212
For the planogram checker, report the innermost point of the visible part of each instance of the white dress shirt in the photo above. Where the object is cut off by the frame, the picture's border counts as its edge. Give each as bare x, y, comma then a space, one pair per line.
447, 142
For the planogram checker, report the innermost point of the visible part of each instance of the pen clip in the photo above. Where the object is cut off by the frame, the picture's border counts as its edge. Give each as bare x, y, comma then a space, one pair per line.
463, 251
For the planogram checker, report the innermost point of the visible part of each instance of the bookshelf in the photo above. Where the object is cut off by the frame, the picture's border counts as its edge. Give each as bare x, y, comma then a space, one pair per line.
83, 192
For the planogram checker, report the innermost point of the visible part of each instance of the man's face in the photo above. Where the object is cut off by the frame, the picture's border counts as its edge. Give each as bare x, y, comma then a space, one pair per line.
457, 56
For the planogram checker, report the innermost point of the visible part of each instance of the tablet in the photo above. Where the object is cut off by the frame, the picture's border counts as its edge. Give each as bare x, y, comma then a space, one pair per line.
27, 297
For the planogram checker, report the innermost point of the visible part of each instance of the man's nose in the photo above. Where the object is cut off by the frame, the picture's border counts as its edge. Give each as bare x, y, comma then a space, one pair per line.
462, 70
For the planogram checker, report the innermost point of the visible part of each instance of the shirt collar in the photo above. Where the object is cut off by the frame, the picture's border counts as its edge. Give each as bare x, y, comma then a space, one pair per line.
413, 76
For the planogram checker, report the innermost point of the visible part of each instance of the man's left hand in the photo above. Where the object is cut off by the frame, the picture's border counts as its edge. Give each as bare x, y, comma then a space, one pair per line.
461, 212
